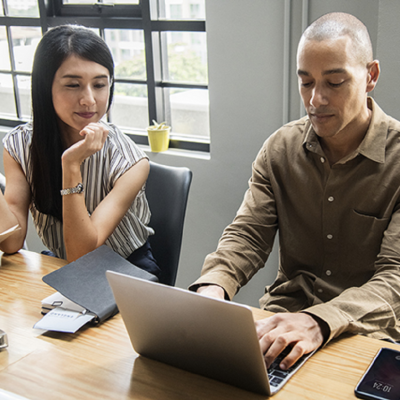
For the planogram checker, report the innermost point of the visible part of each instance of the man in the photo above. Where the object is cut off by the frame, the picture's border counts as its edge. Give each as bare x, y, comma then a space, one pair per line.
329, 183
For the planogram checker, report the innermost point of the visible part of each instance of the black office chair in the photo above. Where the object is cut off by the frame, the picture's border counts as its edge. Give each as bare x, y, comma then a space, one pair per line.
167, 191
2, 182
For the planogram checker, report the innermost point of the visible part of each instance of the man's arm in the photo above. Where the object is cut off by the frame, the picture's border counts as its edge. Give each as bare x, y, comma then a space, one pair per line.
214, 291
247, 242
373, 308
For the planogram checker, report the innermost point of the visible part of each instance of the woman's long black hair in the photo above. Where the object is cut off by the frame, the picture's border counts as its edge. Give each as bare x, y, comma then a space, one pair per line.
46, 149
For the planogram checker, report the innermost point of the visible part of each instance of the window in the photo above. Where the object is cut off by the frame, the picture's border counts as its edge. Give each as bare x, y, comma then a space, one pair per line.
160, 54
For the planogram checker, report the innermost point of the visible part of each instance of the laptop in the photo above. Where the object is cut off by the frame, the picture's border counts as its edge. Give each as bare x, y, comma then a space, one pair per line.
202, 335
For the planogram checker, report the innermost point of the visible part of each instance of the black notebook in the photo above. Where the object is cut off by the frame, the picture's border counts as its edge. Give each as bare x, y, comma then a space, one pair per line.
84, 281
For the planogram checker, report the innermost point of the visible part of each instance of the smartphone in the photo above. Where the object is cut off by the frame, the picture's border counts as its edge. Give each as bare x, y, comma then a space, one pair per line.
381, 381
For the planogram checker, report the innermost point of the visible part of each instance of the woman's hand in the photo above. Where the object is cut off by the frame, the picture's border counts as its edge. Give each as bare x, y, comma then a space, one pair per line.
93, 136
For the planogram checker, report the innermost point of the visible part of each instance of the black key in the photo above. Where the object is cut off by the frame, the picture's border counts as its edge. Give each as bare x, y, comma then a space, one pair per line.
275, 381
280, 374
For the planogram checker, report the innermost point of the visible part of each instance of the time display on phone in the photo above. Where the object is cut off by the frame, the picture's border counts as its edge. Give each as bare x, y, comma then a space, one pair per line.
384, 387
381, 381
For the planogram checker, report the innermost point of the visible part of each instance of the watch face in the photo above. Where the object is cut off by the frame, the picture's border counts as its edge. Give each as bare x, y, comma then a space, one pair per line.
79, 188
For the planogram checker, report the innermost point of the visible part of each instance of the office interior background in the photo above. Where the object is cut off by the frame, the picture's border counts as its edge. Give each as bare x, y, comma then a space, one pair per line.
252, 91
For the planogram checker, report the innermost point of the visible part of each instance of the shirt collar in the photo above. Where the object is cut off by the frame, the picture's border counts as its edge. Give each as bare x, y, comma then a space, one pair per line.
373, 146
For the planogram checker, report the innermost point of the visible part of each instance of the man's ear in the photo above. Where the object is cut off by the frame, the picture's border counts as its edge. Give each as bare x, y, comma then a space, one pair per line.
373, 74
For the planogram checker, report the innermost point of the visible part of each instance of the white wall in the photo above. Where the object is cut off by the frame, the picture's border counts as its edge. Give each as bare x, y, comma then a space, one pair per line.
252, 93
249, 90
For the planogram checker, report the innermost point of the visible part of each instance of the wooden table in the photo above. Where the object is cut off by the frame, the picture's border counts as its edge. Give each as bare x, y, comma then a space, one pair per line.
98, 362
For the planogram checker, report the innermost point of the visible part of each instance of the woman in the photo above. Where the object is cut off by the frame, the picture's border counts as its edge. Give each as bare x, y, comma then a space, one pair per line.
82, 179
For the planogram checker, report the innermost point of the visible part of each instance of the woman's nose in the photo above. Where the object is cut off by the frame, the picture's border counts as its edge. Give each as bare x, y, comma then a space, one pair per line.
87, 98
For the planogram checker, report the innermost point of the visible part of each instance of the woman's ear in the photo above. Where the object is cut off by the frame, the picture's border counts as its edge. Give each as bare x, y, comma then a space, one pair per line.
373, 74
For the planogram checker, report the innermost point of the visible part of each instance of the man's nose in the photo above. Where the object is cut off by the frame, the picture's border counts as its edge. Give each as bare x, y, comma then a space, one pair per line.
318, 97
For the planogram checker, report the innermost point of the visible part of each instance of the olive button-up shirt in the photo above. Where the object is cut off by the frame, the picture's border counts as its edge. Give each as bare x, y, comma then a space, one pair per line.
339, 229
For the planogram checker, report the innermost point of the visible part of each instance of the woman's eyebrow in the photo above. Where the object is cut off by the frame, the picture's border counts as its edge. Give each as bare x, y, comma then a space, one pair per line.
80, 77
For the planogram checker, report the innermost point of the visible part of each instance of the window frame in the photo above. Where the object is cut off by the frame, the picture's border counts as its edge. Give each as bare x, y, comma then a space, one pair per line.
54, 12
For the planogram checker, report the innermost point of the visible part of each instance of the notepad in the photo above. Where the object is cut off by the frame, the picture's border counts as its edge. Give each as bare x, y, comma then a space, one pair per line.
58, 300
62, 314
83, 293
61, 320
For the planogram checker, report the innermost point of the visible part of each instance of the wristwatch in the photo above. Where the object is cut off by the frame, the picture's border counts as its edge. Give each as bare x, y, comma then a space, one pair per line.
77, 189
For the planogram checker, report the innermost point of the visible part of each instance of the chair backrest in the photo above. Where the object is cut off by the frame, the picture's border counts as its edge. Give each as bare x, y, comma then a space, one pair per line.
167, 191
2, 182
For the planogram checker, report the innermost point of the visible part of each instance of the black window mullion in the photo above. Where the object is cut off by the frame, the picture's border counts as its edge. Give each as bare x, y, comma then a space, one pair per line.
178, 26
153, 66
45, 10
9, 122
98, 9
165, 73
130, 81
184, 85
19, 21
161, 10
56, 6
95, 22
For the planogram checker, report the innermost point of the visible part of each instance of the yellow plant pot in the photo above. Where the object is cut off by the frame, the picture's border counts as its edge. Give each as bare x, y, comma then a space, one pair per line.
158, 138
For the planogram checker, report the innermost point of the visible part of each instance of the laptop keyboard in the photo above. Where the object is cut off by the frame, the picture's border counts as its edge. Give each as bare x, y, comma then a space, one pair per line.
278, 376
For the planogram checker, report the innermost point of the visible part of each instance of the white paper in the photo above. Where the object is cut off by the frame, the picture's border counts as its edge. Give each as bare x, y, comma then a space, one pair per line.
4, 235
58, 300
62, 320
6, 395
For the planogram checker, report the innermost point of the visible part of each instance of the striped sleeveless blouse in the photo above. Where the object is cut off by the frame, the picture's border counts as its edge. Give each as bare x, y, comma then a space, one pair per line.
99, 175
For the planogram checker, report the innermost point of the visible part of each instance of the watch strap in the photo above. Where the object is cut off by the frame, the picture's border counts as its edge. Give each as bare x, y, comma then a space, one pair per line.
77, 189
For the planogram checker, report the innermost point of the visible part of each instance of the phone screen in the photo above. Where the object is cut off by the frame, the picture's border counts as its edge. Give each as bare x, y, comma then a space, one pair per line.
381, 381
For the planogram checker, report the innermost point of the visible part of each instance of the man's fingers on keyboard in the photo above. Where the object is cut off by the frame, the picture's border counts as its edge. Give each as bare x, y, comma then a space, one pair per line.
273, 351
296, 352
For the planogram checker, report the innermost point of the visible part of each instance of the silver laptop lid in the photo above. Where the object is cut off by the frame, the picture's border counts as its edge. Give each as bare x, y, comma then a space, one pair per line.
205, 336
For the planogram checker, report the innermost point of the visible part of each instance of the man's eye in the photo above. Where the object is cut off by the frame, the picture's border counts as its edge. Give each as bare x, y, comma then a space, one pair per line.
335, 84
305, 84
99, 85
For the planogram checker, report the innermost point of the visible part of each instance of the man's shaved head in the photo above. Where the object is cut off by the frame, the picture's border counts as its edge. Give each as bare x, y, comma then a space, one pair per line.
337, 24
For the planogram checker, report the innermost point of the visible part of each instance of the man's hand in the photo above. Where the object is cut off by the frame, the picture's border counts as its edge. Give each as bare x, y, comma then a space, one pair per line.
212, 291
299, 330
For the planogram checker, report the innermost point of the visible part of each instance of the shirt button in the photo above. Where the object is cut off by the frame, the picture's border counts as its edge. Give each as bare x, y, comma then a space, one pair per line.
319, 290
331, 198
328, 272
329, 236
322, 160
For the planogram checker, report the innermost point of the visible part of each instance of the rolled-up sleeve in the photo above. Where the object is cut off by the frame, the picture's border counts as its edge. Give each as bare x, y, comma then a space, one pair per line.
246, 243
